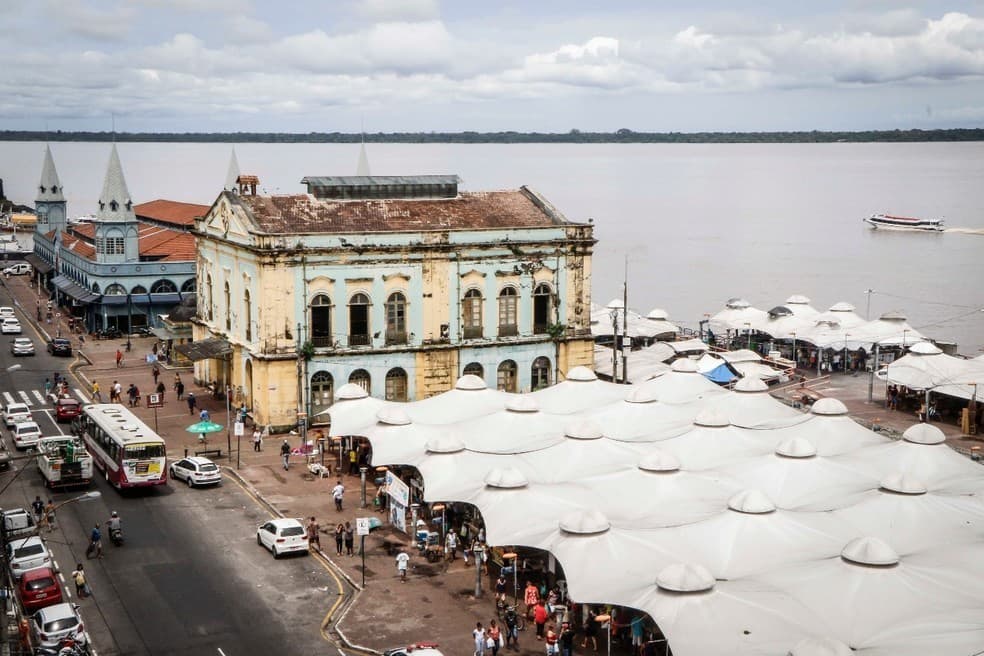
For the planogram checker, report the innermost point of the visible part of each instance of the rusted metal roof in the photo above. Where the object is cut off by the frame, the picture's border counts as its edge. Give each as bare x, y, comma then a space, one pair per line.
303, 213
378, 180
170, 211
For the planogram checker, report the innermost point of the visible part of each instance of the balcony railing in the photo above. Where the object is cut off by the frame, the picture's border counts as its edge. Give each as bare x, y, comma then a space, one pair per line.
540, 328
473, 332
396, 337
508, 330
359, 340
321, 341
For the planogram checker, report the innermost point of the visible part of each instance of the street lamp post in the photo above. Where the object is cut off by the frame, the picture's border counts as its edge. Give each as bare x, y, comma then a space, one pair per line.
748, 329
512, 555
362, 473
602, 619
435, 508
844, 359
795, 359
615, 345
477, 552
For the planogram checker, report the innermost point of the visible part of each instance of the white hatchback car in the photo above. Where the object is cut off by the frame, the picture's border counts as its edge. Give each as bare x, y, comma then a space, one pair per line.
6, 311
51, 625
22, 346
25, 554
10, 326
26, 434
195, 470
282, 536
419, 649
16, 412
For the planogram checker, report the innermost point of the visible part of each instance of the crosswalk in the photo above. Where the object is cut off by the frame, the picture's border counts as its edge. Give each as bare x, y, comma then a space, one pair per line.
35, 397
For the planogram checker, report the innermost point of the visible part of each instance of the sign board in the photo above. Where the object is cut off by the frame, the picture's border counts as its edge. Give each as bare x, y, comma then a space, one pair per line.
398, 516
155, 400
397, 489
362, 526
239, 429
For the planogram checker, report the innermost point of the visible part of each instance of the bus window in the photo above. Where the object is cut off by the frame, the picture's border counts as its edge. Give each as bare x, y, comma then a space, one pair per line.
143, 451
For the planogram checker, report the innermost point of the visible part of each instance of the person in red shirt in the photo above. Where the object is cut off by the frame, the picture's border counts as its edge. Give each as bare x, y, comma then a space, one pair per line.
551, 641
530, 596
540, 616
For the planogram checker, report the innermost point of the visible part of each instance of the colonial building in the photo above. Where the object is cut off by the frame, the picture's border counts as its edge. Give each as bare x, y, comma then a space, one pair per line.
129, 265
398, 284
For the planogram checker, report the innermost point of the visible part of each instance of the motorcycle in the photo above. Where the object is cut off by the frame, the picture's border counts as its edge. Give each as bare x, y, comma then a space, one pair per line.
66, 647
116, 536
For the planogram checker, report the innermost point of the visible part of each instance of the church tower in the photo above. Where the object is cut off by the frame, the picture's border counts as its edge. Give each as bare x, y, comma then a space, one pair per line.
116, 227
50, 204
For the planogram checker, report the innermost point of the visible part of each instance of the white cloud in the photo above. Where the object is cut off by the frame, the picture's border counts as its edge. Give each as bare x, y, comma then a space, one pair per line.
400, 10
75, 17
240, 28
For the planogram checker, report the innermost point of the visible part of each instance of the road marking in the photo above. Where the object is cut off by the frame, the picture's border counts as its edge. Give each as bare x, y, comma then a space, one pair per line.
38, 396
25, 397
221, 653
82, 396
9, 398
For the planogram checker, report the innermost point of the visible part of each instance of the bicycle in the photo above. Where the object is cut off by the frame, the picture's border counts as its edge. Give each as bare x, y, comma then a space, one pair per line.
502, 608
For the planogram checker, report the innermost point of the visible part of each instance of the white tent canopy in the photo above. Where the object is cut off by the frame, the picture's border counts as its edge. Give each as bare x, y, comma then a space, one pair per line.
740, 525
926, 367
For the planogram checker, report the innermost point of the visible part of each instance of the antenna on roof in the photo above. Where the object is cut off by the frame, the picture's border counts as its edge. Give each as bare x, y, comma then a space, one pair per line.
362, 168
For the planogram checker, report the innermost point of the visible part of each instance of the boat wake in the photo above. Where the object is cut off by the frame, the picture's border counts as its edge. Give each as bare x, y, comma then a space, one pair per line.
965, 231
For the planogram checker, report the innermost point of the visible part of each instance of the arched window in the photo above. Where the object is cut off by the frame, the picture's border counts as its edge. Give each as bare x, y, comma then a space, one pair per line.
507, 312
542, 308
396, 318
209, 312
228, 305
540, 373
361, 378
506, 376
188, 286
474, 369
138, 289
115, 289
396, 385
321, 320
359, 320
113, 205
322, 391
248, 316
163, 286
95, 288
471, 309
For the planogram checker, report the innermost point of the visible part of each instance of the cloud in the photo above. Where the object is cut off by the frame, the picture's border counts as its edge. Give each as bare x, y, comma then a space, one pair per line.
245, 29
399, 11
77, 18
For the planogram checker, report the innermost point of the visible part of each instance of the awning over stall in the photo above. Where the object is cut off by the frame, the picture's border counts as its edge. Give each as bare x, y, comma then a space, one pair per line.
176, 332
39, 264
207, 349
68, 286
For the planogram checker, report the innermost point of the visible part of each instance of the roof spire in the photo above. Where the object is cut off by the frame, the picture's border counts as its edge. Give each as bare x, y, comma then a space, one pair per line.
114, 202
362, 168
233, 173
49, 188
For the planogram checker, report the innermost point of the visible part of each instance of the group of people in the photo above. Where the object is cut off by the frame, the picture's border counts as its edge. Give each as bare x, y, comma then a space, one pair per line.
44, 513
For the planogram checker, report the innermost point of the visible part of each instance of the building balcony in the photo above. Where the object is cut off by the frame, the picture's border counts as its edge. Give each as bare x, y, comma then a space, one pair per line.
322, 341
540, 328
359, 340
473, 332
508, 330
396, 337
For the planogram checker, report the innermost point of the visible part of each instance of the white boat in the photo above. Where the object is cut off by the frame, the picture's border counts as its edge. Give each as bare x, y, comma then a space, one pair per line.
889, 222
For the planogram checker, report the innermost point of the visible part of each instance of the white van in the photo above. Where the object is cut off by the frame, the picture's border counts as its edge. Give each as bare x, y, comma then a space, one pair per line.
19, 269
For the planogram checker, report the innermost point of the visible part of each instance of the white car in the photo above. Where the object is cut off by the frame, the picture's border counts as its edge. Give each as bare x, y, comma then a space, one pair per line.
16, 412
419, 649
26, 434
10, 326
282, 536
22, 346
25, 554
17, 269
194, 470
7, 312
52, 624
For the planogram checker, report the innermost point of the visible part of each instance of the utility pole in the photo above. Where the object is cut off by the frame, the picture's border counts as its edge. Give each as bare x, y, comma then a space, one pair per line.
625, 319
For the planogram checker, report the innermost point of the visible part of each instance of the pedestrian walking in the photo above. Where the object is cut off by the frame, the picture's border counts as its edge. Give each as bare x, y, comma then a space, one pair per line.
257, 438
566, 639
192, 403
353, 461
243, 414
349, 539
402, 560
203, 415
512, 628
493, 638
117, 393
179, 386
95, 543
47, 387
590, 629
285, 454
451, 545
119, 358
155, 371
79, 577
479, 636
161, 388
540, 616
314, 534
339, 538
96, 396
530, 596
337, 493
551, 640
38, 507
49, 515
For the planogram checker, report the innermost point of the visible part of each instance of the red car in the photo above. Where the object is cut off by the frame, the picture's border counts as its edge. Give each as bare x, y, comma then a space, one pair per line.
67, 409
39, 588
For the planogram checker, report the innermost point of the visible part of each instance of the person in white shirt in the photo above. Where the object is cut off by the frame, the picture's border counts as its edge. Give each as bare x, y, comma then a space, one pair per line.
336, 493
451, 545
402, 560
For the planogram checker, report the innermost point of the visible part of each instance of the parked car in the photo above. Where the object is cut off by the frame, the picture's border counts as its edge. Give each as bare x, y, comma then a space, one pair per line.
282, 536
195, 470
39, 588
419, 649
18, 269
25, 554
7, 311
26, 434
60, 346
67, 409
4, 456
16, 412
22, 346
49, 625
18, 523
10, 326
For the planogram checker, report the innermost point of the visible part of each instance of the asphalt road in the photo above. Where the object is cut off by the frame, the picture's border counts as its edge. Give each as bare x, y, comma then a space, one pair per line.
190, 579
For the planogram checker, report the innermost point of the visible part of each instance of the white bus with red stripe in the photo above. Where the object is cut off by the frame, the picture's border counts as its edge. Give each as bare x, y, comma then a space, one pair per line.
128, 452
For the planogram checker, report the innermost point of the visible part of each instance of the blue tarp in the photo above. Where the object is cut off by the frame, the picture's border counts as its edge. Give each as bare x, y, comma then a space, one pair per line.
721, 374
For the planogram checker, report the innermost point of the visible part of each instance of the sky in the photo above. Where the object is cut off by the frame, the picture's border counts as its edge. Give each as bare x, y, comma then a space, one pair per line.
551, 65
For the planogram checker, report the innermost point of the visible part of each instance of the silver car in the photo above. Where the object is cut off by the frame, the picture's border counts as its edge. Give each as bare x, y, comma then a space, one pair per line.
52, 624
25, 554
22, 346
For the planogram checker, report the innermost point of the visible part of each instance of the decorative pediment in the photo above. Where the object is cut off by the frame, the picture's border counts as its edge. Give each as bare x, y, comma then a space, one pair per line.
399, 275
224, 221
366, 279
473, 272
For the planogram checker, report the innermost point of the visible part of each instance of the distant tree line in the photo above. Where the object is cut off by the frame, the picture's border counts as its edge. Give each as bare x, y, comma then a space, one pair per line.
574, 136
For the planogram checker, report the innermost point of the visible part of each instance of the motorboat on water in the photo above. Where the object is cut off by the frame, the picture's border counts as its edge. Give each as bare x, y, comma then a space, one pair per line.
889, 222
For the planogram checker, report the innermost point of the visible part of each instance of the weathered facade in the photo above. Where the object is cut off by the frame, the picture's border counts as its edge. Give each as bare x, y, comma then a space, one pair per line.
399, 284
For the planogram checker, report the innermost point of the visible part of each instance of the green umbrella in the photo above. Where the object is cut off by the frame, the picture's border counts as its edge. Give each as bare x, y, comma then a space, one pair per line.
205, 427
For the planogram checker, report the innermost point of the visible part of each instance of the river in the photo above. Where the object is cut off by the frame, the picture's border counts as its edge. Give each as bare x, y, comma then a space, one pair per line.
696, 223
